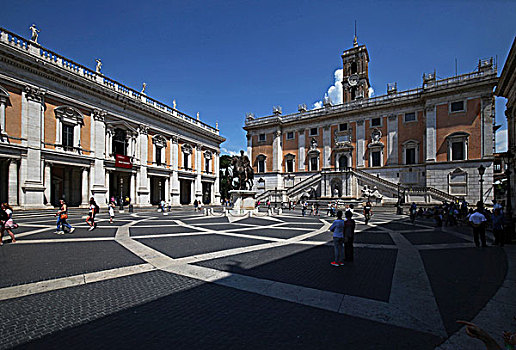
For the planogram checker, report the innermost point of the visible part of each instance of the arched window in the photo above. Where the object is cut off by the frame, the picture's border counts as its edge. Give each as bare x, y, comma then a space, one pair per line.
343, 162
354, 68
260, 163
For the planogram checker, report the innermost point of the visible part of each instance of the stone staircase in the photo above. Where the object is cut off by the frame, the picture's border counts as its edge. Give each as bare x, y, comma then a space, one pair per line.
385, 187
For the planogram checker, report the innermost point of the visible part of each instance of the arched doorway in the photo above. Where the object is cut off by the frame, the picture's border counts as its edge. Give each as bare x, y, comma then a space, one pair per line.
343, 162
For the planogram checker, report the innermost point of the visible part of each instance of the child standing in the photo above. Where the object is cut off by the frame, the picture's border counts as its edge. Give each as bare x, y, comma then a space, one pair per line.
111, 210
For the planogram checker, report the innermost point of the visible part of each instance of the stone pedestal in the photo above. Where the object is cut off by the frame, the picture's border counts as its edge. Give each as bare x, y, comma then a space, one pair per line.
243, 202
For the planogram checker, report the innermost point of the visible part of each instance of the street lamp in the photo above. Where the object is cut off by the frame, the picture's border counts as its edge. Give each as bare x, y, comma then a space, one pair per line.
481, 171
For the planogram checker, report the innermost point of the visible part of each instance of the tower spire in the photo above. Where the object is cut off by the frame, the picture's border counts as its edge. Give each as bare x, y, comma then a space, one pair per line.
355, 41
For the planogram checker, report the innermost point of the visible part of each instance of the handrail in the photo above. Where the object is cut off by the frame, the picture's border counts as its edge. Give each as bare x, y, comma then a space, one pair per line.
301, 183
77, 68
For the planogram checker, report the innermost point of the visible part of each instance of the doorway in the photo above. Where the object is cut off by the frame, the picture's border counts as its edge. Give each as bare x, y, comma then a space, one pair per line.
157, 190
66, 183
206, 192
185, 188
119, 186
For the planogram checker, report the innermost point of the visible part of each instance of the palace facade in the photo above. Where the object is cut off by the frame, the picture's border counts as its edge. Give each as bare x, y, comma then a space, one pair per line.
70, 132
425, 144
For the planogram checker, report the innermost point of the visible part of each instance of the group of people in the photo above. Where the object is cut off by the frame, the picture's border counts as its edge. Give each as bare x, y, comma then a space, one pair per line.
343, 235
93, 209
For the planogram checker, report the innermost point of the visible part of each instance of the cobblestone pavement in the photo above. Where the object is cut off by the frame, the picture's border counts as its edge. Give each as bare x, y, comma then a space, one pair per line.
184, 280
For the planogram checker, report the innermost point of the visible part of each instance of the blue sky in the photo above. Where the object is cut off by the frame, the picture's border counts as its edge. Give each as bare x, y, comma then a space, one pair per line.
225, 58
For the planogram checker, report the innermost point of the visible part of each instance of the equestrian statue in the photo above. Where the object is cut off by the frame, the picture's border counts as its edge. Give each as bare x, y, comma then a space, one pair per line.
243, 171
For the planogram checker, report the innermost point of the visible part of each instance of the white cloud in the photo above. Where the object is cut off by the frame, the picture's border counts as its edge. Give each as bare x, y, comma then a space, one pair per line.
334, 92
501, 140
230, 152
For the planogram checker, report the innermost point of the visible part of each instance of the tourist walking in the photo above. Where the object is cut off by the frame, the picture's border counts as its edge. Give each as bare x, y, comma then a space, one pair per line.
498, 229
111, 210
368, 211
195, 204
7, 224
349, 236
337, 227
92, 210
62, 219
478, 221
413, 211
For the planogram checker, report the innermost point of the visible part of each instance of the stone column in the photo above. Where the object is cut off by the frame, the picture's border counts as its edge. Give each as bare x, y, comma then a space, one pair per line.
47, 182
431, 137
392, 140
143, 187
198, 182
2, 115
276, 152
360, 144
487, 114
326, 146
167, 189
85, 187
98, 175
301, 146
174, 179
13, 183
132, 188
32, 169
216, 170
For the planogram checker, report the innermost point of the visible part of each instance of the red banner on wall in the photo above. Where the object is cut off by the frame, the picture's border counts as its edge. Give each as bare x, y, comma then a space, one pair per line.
122, 161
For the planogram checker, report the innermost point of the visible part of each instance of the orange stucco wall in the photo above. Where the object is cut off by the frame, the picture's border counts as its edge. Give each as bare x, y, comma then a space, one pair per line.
13, 113
468, 121
383, 139
264, 148
411, 131
150, 150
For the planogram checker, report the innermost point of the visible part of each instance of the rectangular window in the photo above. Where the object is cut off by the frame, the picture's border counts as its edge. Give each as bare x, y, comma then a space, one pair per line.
457, 106
314, 163
410, 156
290, 135
375, 158
497, 167
261, 166
261, 138
343, 127
67, 137
206, 165
290, 165
410, 117
313, 131
186, 161
158, 155
376, 122
457, 150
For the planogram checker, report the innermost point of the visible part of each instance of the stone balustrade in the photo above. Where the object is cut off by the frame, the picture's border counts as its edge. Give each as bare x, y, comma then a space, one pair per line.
57, 60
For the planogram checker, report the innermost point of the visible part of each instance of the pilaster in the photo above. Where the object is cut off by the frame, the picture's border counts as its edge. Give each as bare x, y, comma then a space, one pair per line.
392, 140
84, 187
431, 138
198, 182
250, 147
216, 184
276, 151
13, 182
326, 146
487, 125
143, 186
174, 179
360, 144
32, 185
99, 184
301, 149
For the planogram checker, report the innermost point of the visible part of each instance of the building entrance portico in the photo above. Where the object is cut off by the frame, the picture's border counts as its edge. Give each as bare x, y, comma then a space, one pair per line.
66, 183
185, 188
157, 189
120, 186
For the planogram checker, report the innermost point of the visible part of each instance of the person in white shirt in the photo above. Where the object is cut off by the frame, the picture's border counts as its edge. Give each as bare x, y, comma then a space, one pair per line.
478, 221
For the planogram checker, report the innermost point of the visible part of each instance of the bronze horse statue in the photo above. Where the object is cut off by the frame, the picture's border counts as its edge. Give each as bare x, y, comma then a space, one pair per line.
243, 171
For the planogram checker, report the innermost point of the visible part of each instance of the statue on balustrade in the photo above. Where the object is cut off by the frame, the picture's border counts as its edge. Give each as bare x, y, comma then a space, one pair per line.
243, 171
35, 31
99, 65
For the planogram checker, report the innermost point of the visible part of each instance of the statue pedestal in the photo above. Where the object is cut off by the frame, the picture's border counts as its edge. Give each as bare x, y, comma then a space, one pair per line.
244, 202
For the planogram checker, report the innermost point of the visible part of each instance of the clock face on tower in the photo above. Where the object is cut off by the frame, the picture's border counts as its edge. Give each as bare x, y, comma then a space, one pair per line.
353, 80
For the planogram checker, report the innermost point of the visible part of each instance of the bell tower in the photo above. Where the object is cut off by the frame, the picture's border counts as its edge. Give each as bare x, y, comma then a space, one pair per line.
355, 80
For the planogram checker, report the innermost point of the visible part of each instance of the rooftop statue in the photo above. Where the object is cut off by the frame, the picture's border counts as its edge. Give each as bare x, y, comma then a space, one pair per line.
143, 88
35, 31
174, 104
99, 65
243, 171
